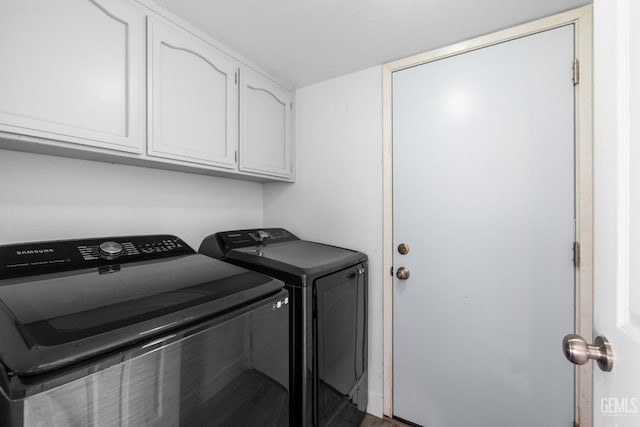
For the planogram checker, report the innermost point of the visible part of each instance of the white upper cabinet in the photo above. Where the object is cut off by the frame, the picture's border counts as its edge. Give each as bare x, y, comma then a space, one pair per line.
73, 70
193, 98
123, 81
265, 126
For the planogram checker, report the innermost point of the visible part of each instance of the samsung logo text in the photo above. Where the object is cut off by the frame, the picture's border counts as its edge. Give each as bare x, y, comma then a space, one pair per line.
35, 251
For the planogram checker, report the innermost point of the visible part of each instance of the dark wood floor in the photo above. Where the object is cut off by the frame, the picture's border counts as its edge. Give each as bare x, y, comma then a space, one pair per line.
371, 421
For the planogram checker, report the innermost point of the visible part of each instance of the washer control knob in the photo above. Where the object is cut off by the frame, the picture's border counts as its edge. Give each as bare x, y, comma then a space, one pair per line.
110, 249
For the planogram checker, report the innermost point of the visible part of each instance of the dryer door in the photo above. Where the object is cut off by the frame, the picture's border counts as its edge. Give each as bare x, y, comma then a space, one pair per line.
340, 339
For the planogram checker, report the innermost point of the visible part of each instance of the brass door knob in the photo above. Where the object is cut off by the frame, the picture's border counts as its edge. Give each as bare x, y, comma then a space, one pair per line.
403, 249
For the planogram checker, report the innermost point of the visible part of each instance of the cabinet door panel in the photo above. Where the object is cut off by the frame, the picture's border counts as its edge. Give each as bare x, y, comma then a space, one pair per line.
193, 97
73, 71
265, 122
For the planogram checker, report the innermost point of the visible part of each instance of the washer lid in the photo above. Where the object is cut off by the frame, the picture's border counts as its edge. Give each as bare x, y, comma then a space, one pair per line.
298, 258
51, 320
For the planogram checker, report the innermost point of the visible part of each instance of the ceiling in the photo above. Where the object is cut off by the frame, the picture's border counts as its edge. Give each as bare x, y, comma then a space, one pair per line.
306, 41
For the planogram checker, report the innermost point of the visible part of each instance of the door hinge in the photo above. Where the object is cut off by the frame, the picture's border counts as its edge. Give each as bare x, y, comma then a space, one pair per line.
391, 271
235, 156
236, 74
576, 254
576, 71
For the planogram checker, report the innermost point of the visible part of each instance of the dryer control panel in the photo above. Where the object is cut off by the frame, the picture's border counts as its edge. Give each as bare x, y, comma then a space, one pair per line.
219, 244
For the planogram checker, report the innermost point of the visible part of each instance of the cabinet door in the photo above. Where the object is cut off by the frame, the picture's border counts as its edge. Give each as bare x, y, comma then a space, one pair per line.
265, 126
73, 70
193, 98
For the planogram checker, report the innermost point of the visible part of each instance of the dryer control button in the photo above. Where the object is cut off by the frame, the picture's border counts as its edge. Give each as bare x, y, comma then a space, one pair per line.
263, 235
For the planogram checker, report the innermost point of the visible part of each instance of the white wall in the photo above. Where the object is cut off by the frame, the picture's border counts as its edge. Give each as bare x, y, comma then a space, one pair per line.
337, 197
47, 198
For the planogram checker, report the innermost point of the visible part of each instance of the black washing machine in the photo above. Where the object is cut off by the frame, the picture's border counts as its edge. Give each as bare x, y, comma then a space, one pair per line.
328, 318
139, 331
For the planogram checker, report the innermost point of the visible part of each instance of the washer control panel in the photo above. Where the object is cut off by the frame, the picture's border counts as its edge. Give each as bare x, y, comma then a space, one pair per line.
47, 257
132, 247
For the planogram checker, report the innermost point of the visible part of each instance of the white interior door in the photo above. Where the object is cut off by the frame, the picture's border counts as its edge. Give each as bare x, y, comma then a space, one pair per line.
483, 194
617, 209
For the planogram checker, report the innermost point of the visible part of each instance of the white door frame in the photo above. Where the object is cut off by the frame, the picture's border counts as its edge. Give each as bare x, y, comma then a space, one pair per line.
582, 19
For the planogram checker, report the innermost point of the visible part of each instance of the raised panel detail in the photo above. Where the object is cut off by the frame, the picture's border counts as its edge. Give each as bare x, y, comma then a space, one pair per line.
193, 97
76, 71
266, 128
628, 175
265, 141
206, 121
